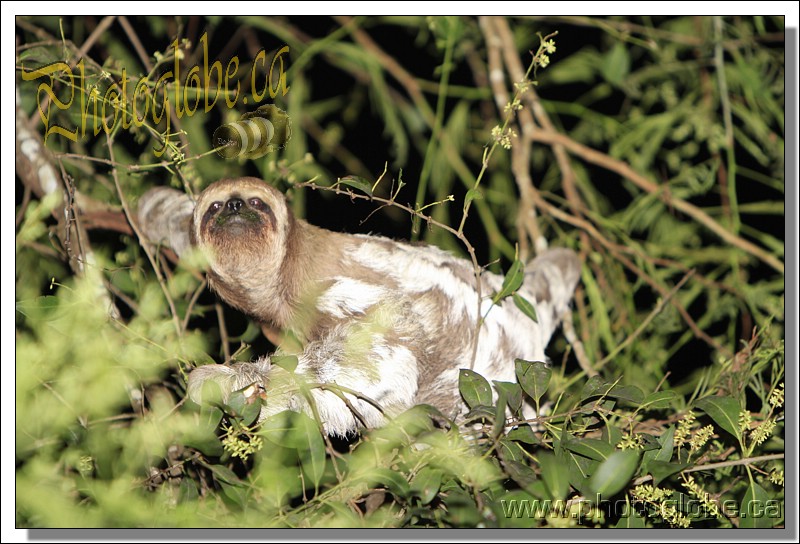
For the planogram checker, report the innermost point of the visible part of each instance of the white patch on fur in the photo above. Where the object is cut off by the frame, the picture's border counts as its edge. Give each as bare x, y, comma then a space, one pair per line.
391, 381
398, 371
348, 296
506, 333
418, 269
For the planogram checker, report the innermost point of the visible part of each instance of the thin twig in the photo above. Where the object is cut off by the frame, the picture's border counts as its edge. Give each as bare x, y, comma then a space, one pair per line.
532, 98
88, 44
26, 199
223, 331
723, 464
352, 164
343, 389
192, 302
136, 42
520, 153
117, 292
129, 215
580, 353
657, 310
408, 81
336, 391
36, 169
43, 249
618, 254
623, 169
412, 87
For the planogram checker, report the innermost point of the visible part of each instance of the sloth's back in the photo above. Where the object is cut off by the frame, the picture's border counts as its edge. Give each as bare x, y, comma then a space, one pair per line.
433, 308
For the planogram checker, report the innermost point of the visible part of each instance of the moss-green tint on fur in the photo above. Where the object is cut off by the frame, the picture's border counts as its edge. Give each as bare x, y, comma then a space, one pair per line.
247, 215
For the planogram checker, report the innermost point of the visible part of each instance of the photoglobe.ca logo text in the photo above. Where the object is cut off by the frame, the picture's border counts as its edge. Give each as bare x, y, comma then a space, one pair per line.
113, 106
580, 509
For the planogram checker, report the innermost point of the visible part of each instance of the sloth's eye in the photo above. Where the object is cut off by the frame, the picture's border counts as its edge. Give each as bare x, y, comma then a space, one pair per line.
215, 206
257, 203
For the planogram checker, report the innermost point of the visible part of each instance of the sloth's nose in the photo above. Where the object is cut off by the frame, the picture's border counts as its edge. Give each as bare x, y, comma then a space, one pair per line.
235, 204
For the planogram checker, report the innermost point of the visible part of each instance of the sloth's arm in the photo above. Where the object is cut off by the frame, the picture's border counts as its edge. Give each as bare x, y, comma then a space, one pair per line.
353, 380
165, 217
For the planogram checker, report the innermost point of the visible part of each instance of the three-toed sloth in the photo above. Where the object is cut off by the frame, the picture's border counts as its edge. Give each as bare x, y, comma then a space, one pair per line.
383, 325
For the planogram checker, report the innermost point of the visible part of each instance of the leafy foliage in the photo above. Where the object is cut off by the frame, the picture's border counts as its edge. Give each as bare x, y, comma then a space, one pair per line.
658, 149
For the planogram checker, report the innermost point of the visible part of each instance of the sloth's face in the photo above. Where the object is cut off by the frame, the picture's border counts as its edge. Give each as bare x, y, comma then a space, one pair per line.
239, 219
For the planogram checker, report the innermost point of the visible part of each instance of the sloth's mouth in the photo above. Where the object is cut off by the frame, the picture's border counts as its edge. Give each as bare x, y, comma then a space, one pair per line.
239, 217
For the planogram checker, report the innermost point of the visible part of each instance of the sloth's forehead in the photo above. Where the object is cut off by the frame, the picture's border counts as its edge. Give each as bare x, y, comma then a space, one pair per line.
243, 194
244, 190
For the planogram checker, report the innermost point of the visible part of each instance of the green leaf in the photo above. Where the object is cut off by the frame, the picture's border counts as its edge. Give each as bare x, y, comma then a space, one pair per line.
579, 469
473, 194
525, 307
250, 412
631, 519
591, 448
513, 394
591, 407
235, 494
754, 510
616, 64
419, 419
597, 387
512, 281
662, 454
667, 444
724, 411
461, 509
203, 436
390, 479
187, 491
510, 451
555, 475
40, 308
286, 362
601, 322
275, 428
534, 377
628, 393
611, 434
499, 414
523, 433
614, 473
209, 447
661, 470
298, 431
210, 416
513, 509
425, 484
357, 183
222, 473
474, 388
649, 442
211, 393
520, 473
37, 57
660, 399
558, 436
306, 437
236, 403
480, 412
